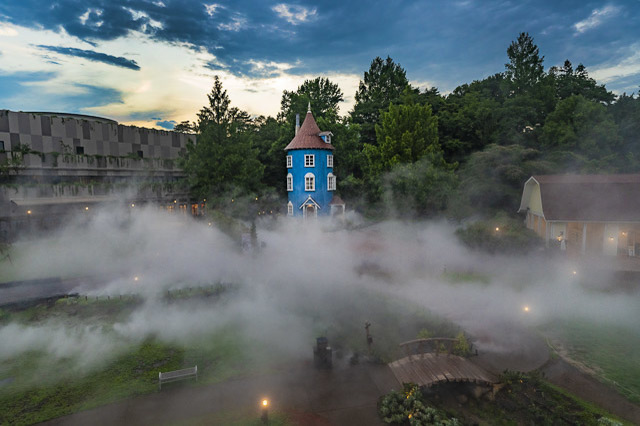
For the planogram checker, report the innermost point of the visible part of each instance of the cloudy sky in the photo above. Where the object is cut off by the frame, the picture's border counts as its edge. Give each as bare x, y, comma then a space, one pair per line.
151, 62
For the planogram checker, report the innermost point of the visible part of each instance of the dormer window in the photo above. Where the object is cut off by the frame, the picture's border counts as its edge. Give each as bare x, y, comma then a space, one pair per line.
309, 160
289, 162
326, 136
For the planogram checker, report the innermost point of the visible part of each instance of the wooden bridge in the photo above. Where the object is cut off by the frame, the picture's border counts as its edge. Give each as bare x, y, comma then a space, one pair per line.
429, 362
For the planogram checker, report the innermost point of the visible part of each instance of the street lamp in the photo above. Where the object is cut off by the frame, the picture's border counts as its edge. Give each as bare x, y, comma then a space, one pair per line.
265, 411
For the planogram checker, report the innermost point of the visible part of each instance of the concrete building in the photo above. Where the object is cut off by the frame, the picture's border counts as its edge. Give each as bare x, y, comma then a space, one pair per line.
310, 178
585, 214
53, 164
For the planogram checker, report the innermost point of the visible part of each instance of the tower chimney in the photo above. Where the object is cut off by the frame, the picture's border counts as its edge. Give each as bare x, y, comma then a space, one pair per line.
297, 123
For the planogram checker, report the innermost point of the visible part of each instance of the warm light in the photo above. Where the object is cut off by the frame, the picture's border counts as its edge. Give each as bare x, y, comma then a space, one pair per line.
133, 205
232, 200
575, 272
256, 198
526, 309
265, 402
28, 211
86, 208
175, 201
209, 223
136, 278
559, 238
497, 229
624, 234
205, 200
610, 238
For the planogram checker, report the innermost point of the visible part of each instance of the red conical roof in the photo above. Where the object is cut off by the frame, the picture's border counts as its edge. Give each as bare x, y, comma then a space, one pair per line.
307, 137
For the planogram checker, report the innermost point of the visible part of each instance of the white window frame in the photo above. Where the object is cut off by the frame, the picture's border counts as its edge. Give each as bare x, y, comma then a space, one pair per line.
331, 182
309, 160
329, 160
289, 182
309, 182
289, 208
289, 161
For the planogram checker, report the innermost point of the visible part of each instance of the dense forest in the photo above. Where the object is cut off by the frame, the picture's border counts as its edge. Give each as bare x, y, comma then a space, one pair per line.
406, 152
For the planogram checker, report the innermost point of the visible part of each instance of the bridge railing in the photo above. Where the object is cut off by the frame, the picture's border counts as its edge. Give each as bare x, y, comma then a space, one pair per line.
437, 345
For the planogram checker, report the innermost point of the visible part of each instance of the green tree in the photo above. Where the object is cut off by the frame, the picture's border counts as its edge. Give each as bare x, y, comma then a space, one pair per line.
323, 95
405, 134
582, 127
524, 69
223, 158
569, 82
492, 179
383, 84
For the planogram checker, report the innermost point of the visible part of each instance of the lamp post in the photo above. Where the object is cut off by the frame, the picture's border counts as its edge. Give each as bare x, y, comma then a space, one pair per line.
265, 411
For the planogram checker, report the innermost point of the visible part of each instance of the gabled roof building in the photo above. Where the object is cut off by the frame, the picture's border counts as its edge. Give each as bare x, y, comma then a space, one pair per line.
585, 214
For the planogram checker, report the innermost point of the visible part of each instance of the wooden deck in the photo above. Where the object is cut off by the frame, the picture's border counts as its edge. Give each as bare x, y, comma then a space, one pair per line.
429, 369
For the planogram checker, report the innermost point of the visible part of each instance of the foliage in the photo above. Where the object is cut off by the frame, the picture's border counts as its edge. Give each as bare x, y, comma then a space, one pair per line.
501, 235
581, 127
408, 408
322, 94
223, 157
462, 347
422, 188
524, 69
405, 134
382, 85
570, 82
492, 179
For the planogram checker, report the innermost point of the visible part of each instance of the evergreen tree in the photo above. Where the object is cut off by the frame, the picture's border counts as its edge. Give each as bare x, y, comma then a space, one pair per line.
383, 84
524, 69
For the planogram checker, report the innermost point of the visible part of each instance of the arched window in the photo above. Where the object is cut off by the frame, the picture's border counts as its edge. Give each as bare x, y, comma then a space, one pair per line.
309, 182
289, 209
289, 182
331, 182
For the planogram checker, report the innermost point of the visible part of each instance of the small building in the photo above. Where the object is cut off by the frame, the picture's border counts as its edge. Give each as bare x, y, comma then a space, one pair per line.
310, 179
585, 214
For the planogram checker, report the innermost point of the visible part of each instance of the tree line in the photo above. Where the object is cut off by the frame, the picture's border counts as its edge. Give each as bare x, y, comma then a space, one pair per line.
419, 152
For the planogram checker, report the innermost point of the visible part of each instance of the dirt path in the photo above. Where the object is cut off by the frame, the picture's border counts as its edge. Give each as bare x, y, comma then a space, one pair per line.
342, 396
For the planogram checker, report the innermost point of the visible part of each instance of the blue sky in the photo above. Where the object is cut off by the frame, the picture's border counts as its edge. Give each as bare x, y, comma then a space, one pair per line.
151, 62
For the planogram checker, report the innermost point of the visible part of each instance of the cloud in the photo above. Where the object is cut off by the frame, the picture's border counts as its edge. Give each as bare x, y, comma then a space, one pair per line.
236, 23
597, 17
91, 55
211, 8
7, 31
294, 14
628, 66
169, 125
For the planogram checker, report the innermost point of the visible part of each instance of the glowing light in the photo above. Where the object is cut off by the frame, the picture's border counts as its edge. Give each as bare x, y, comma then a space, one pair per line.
136, 278
175, 201
256, 198
205, 200
86, 208
610, 238
133, 204
526, 309
624, 234
209, 223
28, 211
265, 402
575, 272
497, 229
232, 200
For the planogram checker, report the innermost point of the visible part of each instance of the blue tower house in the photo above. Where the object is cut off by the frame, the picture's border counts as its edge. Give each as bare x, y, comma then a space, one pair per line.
310, 179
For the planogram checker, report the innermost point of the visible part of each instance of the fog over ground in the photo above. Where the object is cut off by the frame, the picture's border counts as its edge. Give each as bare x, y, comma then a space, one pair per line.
302, 269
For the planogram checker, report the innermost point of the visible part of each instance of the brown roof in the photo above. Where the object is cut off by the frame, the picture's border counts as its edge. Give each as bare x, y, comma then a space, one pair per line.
307, 137
595, 198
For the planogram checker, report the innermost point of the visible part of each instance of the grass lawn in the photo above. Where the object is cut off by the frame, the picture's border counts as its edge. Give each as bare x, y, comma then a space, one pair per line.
612, 352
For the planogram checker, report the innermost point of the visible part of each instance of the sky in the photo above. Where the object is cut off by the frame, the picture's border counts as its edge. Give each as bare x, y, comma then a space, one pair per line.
151, 63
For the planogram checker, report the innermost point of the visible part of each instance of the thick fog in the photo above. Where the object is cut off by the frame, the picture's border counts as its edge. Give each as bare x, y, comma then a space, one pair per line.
295, 287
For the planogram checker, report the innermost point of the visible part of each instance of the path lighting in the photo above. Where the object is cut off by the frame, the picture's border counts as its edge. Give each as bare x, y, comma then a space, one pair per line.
497, 229
265, 411
28, 211
256, 198
86, 208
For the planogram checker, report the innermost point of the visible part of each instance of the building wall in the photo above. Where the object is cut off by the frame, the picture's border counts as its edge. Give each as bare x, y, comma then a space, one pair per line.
48, 133
321, 195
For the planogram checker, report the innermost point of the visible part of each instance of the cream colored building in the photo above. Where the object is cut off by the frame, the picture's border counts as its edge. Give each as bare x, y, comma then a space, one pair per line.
585, 214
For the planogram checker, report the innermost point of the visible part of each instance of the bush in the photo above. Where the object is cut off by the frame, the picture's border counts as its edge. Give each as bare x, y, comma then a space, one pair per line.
500, 235
408, 408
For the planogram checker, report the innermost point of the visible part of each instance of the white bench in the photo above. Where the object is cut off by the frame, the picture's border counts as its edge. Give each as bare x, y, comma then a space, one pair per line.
172, 376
